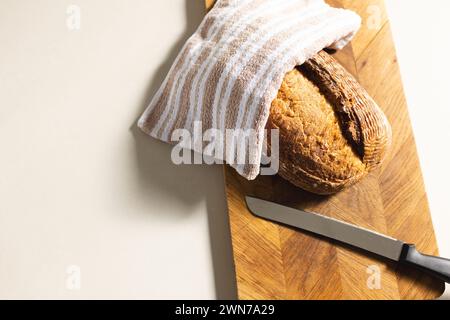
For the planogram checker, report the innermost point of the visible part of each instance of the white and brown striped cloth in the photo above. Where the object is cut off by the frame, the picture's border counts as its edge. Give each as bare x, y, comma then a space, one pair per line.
230, 70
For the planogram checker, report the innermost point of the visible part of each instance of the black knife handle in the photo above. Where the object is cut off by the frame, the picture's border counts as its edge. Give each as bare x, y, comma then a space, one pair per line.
435, 266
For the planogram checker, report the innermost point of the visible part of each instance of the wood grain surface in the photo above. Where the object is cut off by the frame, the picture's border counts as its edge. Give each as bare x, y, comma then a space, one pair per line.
277, 262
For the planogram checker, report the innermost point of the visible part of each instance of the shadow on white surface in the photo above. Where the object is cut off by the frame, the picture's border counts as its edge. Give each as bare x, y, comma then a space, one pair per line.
188, 184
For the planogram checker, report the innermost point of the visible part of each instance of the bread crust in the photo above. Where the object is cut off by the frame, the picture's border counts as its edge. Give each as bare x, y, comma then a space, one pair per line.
332, 133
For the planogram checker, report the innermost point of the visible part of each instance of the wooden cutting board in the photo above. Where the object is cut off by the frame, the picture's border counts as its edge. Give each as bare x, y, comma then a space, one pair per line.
275, 262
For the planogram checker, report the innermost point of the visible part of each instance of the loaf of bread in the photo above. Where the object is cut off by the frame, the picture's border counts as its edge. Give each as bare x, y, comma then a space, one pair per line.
332, 133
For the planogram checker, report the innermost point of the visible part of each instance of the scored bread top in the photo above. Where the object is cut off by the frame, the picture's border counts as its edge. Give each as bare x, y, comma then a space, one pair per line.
332, 133
363, 122
313, 148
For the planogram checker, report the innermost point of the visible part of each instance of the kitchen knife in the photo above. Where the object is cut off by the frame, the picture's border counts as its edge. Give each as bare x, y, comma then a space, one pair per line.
353, 235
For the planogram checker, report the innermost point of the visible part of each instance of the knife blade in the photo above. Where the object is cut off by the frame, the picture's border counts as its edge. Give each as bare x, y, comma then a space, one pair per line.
353, 235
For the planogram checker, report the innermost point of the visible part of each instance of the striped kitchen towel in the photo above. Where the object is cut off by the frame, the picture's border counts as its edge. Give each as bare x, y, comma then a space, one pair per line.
221, 85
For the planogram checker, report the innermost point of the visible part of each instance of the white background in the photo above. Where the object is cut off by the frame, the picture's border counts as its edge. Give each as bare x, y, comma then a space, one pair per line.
80, 186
